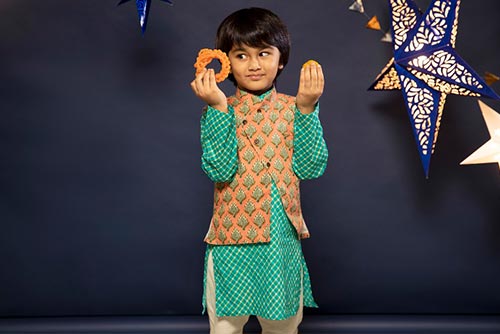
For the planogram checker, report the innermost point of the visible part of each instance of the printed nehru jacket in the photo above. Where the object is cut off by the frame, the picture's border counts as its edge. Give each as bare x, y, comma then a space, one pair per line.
263, 279
243, 160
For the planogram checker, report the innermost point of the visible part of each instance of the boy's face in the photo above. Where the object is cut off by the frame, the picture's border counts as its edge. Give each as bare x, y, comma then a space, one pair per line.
254, 69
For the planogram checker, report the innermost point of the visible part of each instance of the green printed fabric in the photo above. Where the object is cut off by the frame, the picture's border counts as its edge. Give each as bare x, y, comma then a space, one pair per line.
262, 279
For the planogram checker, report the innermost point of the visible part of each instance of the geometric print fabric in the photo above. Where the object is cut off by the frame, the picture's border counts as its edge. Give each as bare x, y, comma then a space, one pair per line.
263, 126
262, 279
247, 148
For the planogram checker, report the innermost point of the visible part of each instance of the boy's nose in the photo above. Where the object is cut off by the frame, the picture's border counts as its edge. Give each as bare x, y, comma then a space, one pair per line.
254, 64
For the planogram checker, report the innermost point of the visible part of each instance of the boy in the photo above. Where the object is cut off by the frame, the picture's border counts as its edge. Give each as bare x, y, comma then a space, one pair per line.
257, 145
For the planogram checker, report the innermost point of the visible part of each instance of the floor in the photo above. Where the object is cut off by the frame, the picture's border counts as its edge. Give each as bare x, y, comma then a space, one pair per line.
335, 324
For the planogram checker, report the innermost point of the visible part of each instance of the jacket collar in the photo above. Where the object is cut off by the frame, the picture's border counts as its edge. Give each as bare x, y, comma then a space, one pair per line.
267, 96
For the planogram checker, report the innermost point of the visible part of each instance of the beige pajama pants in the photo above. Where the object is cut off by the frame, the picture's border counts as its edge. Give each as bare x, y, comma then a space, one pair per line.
234, 325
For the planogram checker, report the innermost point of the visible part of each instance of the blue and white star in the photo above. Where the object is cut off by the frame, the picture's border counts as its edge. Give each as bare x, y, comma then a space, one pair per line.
427, 68
143, 7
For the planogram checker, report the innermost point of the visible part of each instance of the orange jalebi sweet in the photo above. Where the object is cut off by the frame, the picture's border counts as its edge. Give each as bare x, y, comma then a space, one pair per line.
205, 56
310, 62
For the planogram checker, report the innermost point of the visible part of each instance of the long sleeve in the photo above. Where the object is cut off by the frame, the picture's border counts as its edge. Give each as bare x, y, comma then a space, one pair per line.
219, 158
310, 154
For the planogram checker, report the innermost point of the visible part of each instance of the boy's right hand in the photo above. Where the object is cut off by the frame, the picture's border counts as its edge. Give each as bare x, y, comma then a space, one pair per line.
205, 87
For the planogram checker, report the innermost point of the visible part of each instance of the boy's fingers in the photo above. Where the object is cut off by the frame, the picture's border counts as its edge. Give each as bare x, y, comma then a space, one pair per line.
197, 86
200, 75
193, 87
314, 75
204, 80
198, 82
320, 73
302, 79
321, 78
207, 79
212, 79
307, 77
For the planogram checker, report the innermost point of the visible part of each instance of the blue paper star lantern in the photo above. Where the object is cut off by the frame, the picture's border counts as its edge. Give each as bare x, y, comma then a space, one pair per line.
143, 7
427, 68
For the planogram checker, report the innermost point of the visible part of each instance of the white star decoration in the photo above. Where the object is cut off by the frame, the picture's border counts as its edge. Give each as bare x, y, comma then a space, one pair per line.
490, 151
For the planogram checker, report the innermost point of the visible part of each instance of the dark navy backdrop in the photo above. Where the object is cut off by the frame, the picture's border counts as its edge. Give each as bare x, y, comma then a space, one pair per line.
103, 204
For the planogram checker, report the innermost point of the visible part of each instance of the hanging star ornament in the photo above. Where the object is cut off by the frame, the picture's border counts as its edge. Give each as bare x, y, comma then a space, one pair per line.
387, 38
427, 68
373, 24
143, 7
490, 151
490, 78
357, 6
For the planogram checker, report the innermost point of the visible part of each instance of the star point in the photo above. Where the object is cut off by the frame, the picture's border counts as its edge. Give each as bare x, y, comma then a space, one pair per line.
427, 68
143, 7
489, 152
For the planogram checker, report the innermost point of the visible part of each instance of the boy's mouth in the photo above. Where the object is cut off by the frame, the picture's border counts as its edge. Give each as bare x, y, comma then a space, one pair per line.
255, 77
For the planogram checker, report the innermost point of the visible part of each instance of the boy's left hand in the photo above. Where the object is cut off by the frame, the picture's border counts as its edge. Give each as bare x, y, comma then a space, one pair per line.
311, 86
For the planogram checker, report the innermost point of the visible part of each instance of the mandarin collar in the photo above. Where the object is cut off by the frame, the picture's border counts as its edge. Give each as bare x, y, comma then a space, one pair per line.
268, 95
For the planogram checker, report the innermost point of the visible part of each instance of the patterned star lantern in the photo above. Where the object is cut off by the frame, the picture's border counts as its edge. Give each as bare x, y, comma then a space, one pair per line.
427, 68
490, 151
143, 7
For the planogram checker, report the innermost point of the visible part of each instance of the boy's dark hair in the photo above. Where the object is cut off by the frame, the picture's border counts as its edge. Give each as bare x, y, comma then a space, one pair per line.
255, 27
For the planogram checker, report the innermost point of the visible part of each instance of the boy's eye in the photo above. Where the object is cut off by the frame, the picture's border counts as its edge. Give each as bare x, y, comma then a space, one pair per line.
264, 53
241, 56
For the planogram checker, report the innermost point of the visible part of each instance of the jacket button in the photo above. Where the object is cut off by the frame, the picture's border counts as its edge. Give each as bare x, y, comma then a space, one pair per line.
268, 164
256, 142
244, 122
259, 110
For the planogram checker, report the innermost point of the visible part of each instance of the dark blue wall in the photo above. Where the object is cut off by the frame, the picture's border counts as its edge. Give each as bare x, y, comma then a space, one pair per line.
103, 204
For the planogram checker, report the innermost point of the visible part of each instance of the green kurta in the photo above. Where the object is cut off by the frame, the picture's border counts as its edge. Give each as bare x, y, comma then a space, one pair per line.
262, 279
